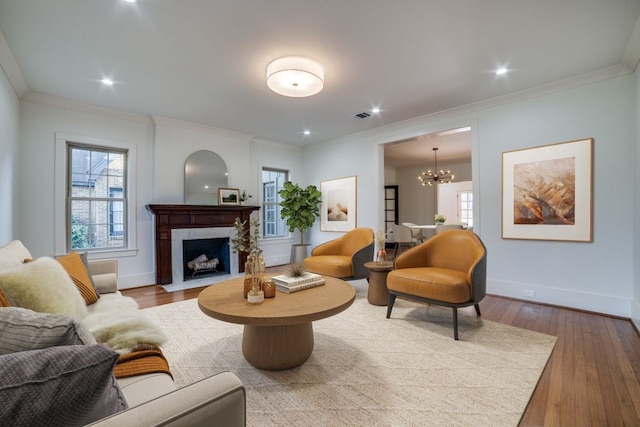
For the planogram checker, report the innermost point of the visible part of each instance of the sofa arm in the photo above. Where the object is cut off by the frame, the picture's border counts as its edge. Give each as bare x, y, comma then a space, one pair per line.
217, 400
105, 275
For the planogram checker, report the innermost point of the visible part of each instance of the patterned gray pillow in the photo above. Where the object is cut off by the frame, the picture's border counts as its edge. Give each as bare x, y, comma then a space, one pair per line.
23, 329
59, 386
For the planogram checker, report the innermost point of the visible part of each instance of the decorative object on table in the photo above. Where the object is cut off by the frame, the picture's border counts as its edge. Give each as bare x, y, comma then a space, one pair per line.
547, 192
440, 219
299, 207
244, 196
289, 284
435, 176
381, 240
296, 269
247, 241
269, 288
339, 202
228, 196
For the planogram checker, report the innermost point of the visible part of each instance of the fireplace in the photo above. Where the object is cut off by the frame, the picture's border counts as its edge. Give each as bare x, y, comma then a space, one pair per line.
174, 223
187, 244
205, 257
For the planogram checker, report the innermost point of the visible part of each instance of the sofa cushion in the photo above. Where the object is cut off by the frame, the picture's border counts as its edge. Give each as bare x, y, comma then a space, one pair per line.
43, 285
13, 254
77, 270
59, 386
22, 329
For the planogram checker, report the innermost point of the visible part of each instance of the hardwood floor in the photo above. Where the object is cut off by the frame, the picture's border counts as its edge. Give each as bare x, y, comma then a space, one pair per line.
592, 377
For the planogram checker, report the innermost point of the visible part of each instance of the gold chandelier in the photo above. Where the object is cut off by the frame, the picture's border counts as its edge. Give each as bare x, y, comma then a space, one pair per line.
436, 176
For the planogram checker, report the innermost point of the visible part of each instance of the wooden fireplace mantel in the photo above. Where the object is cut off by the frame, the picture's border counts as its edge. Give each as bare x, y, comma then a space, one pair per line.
168, 217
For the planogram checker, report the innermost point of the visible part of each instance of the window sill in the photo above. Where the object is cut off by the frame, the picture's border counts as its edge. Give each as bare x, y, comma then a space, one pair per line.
112, 253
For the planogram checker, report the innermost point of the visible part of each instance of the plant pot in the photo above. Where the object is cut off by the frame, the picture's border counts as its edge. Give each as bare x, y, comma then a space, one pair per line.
299, 253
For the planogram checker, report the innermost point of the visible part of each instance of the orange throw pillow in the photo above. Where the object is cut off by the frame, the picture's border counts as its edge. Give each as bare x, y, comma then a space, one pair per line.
79, 275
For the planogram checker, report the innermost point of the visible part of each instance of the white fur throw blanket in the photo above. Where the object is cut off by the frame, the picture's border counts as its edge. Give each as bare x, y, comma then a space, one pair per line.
117, 322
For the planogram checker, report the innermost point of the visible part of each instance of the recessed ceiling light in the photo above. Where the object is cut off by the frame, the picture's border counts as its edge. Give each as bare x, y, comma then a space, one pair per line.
130, 1
501, 71
375, 110
107, 82
307, 132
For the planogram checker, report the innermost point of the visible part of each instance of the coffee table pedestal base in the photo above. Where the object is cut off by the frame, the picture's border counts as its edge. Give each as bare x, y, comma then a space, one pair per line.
275, 348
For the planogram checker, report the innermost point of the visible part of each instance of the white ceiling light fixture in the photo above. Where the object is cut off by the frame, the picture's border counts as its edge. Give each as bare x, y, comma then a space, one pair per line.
295, 76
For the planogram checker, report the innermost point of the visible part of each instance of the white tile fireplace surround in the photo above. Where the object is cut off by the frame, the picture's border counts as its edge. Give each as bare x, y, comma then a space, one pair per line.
178, 235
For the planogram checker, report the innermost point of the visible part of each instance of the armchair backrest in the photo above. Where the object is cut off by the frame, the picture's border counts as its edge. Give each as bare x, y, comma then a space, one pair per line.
452, 249
356, 239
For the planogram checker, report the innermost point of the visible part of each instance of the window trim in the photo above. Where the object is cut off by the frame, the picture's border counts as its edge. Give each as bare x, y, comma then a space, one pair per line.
263, 203
60, 194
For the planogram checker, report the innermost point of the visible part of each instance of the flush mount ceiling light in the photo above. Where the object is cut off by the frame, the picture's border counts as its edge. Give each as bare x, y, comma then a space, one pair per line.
295, 76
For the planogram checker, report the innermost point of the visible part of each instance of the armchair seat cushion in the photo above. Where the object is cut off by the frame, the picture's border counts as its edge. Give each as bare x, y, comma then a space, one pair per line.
329, 265
439, 284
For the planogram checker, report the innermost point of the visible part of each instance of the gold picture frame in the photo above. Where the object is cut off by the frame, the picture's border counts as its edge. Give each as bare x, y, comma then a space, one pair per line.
547, 192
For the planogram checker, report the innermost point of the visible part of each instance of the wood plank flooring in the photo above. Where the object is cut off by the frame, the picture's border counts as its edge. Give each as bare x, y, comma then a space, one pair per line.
592, 377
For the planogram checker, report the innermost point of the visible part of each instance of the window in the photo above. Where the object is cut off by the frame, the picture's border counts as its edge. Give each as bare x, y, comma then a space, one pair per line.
96, 197
465, 207
272, 224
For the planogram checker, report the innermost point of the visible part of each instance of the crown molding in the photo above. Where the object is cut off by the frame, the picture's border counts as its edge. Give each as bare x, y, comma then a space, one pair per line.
631, 55
55, 101
407, 128
183, 124
10, 67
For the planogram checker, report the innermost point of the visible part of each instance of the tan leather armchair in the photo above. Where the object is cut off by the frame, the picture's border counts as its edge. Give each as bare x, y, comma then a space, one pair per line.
450, 269
343, 257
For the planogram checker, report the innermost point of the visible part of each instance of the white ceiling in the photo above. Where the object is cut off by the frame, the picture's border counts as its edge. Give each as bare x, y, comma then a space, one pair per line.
204, 61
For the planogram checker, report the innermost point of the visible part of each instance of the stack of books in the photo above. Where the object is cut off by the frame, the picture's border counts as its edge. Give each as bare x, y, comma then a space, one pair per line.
290, 284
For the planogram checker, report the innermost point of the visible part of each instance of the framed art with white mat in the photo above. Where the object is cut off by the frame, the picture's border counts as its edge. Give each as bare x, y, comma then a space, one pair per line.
339, 199
547, 192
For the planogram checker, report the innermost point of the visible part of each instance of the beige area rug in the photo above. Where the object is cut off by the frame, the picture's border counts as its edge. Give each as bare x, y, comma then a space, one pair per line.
367, 370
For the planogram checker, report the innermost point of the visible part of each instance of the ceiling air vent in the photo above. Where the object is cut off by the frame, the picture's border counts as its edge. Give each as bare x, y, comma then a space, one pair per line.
362, 115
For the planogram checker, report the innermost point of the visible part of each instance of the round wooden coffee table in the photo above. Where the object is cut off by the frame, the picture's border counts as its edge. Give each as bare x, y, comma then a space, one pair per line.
278, 333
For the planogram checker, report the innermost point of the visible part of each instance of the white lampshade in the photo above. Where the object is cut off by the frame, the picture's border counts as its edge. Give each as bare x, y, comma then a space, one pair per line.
295, 76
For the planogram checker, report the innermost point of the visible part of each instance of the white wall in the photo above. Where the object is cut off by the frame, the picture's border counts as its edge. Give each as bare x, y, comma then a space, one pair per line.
9, 108
40, 119
594, 276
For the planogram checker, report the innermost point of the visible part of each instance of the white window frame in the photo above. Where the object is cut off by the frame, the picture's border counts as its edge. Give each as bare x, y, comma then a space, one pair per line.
265, 203
60, 193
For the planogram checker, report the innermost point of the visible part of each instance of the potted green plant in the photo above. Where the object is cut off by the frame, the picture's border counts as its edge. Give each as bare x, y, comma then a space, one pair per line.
440, 219
300, 208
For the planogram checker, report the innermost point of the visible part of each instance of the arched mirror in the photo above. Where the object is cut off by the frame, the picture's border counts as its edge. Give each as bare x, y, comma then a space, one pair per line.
204, 172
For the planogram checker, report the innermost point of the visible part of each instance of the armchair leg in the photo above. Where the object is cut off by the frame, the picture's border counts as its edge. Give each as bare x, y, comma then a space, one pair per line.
392, 299
477, 306
455, 323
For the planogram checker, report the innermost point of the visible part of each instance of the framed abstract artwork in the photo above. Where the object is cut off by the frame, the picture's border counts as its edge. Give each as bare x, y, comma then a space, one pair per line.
338, 209
547, 192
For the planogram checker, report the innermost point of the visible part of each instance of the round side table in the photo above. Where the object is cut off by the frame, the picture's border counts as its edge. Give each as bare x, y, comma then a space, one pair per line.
378, 293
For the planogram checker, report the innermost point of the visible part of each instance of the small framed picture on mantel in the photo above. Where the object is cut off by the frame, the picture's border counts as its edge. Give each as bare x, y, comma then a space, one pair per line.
228, 196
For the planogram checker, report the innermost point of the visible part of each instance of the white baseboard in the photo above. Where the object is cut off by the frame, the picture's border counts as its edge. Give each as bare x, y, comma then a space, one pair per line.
635, 313
136, 280
599, 303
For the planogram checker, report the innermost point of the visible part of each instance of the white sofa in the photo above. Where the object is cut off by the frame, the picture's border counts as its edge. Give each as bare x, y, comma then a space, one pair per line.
153, 398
